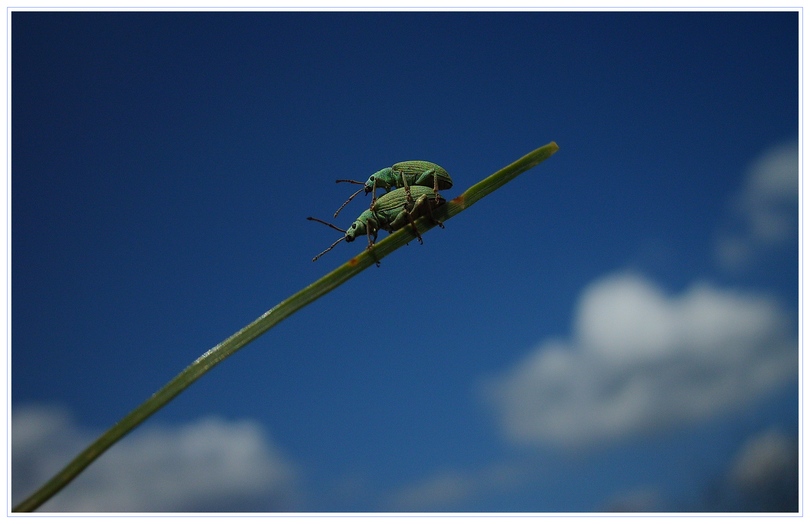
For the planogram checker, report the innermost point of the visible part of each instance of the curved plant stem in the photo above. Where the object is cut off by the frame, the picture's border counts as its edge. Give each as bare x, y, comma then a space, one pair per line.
272, 317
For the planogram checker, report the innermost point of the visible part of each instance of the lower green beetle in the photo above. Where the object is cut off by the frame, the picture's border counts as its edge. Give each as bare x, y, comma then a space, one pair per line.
403, 175
393, 211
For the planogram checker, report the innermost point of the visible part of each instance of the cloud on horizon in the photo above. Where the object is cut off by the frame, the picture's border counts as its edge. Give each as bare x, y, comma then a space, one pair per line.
640, 360
204, 466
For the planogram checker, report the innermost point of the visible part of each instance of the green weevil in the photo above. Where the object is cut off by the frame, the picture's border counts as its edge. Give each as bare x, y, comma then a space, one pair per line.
403, 175
393, 211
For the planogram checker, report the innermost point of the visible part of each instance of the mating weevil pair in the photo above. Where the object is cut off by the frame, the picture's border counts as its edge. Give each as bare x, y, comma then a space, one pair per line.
415, 193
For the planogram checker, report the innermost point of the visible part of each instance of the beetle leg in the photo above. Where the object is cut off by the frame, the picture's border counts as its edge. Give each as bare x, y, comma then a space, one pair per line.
415, 229
370, 249
369, 234
408, 212
435, 187
408, 197
373, 194
429, 214
370, 246
423, 178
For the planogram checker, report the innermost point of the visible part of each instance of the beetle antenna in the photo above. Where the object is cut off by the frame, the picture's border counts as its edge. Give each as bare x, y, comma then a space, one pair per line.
316, 257
350, 198
349, 181
327, 224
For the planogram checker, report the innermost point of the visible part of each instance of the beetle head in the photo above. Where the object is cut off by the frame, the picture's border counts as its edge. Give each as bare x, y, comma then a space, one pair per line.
365, 223
382, 178
358, 227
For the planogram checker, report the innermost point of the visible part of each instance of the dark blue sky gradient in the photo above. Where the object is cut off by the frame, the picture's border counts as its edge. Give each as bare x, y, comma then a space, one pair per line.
163, 165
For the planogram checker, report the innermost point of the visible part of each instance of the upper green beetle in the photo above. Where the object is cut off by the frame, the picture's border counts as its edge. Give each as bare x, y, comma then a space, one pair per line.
403, 175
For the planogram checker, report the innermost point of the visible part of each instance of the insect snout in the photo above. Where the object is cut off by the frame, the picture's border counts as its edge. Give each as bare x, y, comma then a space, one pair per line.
351, 233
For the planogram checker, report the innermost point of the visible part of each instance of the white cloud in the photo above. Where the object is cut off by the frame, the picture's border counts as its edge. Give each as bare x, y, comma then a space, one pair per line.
766, 209
640, 360
207, 465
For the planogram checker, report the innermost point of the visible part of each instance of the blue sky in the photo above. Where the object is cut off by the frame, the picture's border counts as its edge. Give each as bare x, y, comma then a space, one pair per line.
614, 330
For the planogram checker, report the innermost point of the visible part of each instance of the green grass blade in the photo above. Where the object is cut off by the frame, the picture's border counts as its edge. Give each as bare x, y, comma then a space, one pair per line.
272, 317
